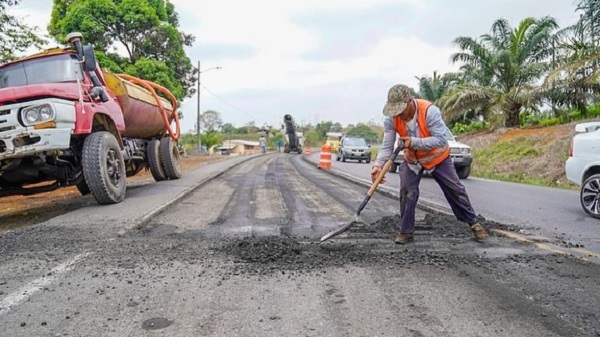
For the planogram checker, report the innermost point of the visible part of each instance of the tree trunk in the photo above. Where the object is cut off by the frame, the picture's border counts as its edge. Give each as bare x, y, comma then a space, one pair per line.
512, 118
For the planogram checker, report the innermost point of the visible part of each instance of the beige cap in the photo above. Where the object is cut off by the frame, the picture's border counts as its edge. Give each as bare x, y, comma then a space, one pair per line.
398, 98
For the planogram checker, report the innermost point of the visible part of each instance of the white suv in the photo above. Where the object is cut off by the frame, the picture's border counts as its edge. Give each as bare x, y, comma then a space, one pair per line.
583, 166
460, 154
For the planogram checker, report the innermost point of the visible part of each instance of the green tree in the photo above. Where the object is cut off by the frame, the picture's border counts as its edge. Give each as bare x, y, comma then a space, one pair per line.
322, 128
575, 79
364, 131
228, 128
147, 31
432, 88
15, 36
313, 138
500, 70
209, 139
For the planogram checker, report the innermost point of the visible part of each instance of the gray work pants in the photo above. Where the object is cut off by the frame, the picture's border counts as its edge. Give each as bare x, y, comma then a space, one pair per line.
454, 191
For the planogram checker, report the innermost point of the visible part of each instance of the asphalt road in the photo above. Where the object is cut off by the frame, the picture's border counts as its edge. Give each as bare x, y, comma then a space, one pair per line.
549, 216
232, 249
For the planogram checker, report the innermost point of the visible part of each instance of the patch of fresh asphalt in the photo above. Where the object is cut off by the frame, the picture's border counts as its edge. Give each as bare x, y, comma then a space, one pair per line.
556, 246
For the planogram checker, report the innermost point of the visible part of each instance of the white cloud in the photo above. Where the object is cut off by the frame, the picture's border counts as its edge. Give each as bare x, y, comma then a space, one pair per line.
269, 50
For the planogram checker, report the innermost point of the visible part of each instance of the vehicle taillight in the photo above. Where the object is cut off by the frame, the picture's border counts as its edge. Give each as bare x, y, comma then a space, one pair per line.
571, 148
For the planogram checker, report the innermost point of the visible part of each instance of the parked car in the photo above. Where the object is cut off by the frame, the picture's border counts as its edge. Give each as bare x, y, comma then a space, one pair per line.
355, 148
459, 152
583, 166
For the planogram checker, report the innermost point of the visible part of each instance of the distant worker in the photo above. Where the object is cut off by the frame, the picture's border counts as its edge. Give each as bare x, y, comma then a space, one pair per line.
262, 142
279, 143
420, 128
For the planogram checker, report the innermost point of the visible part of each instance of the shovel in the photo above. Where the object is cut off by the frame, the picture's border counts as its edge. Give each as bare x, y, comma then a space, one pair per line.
384, 170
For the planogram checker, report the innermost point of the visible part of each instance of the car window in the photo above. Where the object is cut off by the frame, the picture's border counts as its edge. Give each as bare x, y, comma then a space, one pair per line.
354, 142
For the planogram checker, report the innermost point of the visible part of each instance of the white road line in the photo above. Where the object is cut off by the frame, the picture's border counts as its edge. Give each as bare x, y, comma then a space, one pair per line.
25, 292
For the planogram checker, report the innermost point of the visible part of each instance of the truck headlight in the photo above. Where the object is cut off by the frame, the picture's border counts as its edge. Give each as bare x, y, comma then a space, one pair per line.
37, 114
465, 150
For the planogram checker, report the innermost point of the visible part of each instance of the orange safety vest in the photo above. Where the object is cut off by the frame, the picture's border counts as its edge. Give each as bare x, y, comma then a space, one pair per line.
427, 158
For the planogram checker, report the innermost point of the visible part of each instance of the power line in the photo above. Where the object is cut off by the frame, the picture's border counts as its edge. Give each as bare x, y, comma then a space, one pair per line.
224, 101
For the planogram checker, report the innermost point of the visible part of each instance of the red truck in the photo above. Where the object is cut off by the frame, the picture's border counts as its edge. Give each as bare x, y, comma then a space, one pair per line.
64, 121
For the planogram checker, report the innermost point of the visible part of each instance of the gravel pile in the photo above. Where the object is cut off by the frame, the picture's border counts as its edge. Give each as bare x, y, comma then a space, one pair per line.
275, 254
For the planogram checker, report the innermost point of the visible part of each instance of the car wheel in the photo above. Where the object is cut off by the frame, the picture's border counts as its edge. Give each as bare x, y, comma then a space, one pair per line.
337, 157
368, 161
343, 158
463, 171
394, 168
590, 196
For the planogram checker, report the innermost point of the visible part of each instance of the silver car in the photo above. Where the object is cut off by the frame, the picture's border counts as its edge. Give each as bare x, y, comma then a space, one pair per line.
355, 148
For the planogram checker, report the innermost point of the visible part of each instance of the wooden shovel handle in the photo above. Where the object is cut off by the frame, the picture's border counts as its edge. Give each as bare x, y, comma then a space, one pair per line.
384, 170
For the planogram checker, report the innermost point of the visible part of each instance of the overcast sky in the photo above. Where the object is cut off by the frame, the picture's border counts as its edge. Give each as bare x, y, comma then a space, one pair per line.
323, 60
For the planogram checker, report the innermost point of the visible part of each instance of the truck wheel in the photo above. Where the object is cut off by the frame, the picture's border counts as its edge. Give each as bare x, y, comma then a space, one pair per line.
588, 196
463, 171
154, 163
104, 168
169, 157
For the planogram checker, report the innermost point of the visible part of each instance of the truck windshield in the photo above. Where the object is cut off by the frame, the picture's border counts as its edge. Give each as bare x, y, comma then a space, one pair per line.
51, 69
449, 135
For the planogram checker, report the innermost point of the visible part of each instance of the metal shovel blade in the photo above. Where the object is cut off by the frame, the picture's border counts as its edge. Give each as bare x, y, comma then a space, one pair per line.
340, 230
384, 170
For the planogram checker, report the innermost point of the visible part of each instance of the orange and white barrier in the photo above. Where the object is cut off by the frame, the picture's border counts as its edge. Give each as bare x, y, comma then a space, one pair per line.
307, 150
325, 160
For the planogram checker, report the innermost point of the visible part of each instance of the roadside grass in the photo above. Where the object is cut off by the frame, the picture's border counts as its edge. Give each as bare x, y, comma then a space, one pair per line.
526, 160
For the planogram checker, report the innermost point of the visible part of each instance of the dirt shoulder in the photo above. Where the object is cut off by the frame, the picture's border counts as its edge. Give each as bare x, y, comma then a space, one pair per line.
16, 211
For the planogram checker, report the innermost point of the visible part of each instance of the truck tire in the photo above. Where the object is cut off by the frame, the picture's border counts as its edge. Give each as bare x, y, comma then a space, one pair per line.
463, 171
170, 159
154, 163
104, 168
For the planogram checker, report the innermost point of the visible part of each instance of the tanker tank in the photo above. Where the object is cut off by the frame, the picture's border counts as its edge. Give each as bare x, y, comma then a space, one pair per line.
142, 115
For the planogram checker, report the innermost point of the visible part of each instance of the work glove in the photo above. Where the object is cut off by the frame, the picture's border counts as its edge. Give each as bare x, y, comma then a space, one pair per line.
375, 171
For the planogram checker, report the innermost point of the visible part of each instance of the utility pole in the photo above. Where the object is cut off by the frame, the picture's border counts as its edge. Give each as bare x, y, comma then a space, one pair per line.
200, 71
198, 115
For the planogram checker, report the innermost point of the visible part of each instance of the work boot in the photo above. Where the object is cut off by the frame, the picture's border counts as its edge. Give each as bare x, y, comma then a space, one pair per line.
479, 232
404, 238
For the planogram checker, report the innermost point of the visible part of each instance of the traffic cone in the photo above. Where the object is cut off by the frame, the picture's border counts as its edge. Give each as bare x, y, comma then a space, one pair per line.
307, 150
325, 159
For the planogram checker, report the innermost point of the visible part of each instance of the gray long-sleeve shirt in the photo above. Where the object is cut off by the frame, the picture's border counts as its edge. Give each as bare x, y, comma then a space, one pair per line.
435, 124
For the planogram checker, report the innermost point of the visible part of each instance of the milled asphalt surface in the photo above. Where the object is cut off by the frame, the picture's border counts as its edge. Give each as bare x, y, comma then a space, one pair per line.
238, 255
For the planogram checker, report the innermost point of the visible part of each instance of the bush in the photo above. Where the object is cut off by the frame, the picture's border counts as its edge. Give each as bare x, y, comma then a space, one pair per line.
551, 121
473, 126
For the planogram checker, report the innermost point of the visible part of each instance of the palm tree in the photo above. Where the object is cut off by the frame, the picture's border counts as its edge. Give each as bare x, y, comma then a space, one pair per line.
576, 78
500, 69
433, 88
